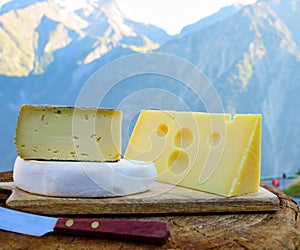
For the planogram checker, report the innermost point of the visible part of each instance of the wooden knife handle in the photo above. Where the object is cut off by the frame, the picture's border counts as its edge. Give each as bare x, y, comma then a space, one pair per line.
151, 232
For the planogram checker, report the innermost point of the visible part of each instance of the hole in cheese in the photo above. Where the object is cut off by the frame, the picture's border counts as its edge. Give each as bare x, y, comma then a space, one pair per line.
214, 139
162, 130
178, 162
183, 138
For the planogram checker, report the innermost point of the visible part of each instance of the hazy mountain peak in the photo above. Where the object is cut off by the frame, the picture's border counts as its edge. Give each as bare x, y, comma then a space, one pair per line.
115, 17
221, 15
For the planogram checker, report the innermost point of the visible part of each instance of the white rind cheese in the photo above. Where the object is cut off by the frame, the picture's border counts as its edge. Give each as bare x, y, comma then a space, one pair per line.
83, 179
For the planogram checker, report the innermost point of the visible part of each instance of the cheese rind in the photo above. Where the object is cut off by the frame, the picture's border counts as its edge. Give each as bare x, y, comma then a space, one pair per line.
83, 179
68, 133
207, 152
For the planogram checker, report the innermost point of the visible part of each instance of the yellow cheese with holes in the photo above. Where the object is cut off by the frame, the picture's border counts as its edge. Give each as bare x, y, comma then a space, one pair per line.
215, 153
68, 133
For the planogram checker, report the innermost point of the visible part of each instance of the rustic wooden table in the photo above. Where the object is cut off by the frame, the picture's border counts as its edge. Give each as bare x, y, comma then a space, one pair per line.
279, 230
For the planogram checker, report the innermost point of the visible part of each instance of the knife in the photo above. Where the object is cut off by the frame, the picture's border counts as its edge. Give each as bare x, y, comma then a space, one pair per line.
151, 232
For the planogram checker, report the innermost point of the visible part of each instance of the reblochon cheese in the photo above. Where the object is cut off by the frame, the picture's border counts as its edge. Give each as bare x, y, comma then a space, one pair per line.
68, 133
83, 179
215, 153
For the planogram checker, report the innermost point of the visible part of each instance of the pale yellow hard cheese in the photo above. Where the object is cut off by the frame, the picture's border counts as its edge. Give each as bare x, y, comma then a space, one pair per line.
214, 153
46, 132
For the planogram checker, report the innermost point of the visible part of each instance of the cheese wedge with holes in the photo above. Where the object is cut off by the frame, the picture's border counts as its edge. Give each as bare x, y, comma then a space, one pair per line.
68, 133
215, 153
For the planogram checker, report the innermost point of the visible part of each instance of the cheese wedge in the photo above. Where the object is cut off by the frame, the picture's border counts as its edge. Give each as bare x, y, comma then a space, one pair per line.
83, 179
68, 133
209, 152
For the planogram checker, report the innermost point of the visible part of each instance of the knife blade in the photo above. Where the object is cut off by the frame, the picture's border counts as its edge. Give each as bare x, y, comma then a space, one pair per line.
151, 232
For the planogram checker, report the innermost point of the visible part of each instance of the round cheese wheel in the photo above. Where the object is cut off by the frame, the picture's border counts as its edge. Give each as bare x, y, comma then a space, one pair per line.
83, 179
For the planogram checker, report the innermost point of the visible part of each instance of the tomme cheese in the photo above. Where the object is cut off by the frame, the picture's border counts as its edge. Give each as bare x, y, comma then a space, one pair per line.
68, 133
208, 152
83, 179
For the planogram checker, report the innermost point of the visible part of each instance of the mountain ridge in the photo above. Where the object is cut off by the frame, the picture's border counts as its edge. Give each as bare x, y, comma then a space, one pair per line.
82, 24
221, 15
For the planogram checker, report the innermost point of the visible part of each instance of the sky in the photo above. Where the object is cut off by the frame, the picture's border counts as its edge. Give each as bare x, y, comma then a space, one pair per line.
171, 15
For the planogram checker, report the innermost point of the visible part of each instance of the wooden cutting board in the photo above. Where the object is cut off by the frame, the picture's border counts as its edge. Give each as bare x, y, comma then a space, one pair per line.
161, 199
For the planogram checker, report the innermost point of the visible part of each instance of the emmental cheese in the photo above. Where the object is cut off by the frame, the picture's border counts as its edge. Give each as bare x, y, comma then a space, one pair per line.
214, 153
68, 133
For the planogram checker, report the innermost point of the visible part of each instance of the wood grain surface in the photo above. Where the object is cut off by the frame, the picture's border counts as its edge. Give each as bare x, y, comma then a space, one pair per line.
278, 230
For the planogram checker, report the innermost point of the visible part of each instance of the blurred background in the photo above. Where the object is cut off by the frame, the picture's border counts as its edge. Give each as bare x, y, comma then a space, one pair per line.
249, 50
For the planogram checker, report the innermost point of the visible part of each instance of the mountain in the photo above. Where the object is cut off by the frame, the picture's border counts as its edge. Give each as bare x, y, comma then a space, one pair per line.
34, 34
250, 54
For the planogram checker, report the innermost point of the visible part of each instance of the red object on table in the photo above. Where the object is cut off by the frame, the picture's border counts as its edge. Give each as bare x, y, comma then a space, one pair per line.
275, 183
